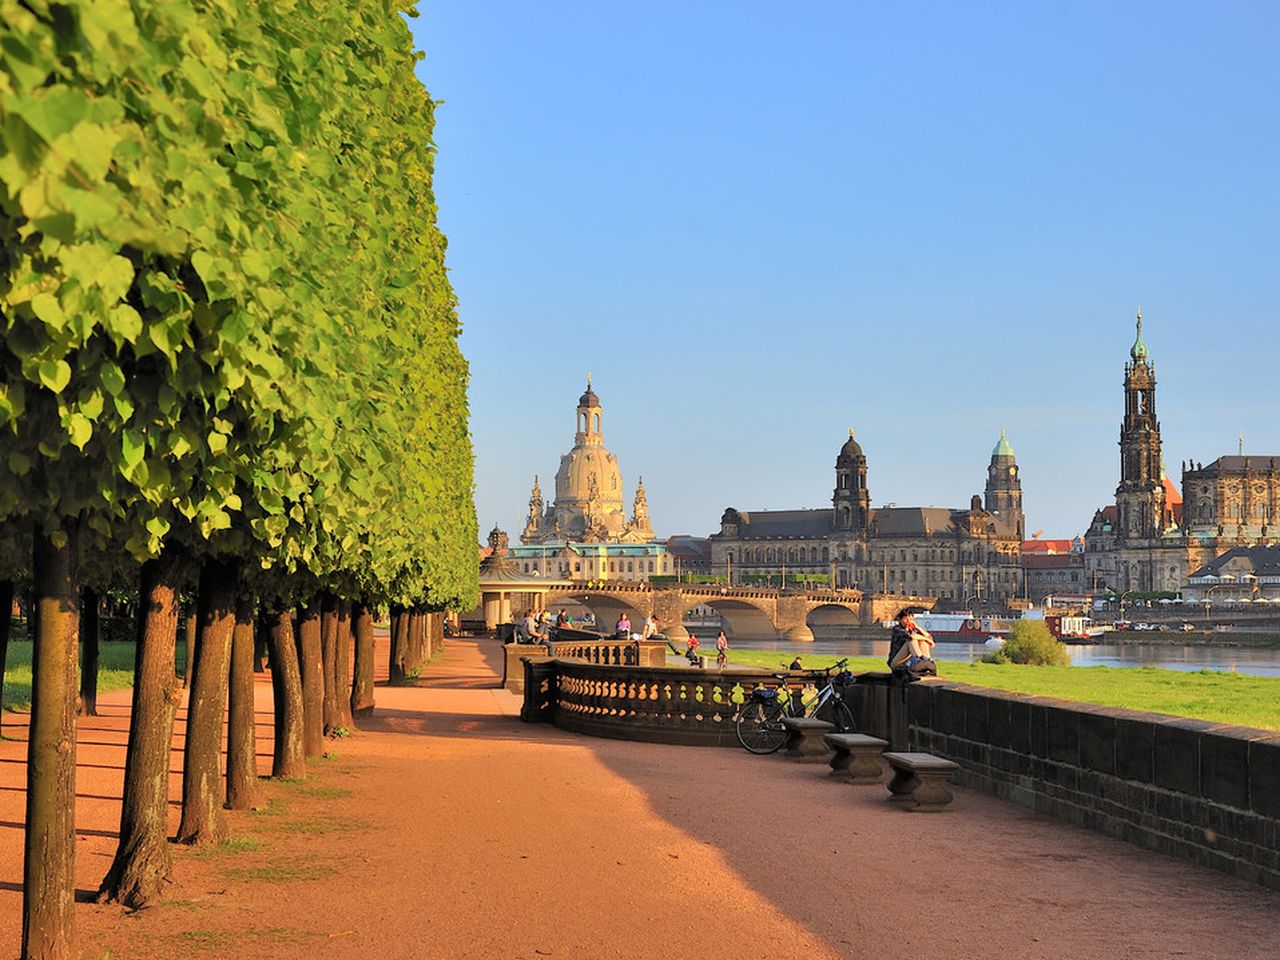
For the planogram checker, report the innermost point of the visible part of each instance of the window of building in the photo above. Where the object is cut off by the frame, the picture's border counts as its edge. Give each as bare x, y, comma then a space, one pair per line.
826, 556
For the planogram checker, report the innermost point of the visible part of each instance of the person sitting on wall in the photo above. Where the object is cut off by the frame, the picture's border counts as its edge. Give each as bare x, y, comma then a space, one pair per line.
910, 646
527, 629
563, 619
622, 629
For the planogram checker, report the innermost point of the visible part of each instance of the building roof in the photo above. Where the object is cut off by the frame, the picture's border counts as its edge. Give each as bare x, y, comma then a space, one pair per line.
913, 521
1235, 464
1043, 547
689, 549
1258, 561
780, 524
588, 398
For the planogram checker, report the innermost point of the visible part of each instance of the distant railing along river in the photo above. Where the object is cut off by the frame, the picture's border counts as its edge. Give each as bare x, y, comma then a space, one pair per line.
1257, 661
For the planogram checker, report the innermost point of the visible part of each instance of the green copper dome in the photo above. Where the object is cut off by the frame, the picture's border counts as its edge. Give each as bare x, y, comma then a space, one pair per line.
1004, 448
1139, 351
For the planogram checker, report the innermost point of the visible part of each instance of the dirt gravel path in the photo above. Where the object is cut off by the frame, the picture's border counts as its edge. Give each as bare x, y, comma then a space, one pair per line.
446, 828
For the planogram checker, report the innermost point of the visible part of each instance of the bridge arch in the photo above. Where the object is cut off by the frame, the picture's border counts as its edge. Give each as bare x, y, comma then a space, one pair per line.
605, 607
833, 620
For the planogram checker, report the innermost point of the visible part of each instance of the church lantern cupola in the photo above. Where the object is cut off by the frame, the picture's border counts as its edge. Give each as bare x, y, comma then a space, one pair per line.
589, 415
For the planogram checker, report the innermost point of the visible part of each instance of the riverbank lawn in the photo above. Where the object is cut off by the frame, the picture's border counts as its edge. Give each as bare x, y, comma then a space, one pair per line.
1203, 695
115, 671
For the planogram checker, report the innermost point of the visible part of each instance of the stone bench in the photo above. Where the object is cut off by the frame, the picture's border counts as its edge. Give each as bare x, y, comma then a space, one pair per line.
804, 738
856, 757
920, 781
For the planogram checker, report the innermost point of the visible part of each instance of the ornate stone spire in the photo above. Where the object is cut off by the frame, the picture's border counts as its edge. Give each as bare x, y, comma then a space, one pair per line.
1139, 351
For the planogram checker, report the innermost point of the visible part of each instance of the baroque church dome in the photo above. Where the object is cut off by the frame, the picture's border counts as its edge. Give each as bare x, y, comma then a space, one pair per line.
585, 466
588, 502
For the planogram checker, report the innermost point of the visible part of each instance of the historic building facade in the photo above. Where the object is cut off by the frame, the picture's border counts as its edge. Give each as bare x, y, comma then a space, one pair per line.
954, 554
588, 506
1152, 537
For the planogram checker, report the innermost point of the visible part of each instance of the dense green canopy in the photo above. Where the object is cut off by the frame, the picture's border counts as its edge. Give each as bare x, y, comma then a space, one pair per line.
227, 321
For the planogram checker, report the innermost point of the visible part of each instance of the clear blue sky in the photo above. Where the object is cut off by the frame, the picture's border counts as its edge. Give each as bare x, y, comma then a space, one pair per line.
758, 224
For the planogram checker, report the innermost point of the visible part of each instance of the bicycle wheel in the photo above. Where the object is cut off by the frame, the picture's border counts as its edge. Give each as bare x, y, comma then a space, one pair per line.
842, 717
760, 728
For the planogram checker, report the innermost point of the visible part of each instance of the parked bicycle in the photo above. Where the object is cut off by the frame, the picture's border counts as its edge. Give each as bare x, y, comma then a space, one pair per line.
760, 716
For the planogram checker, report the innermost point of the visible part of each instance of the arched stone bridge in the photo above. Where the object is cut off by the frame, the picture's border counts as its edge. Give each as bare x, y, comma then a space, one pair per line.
750, 613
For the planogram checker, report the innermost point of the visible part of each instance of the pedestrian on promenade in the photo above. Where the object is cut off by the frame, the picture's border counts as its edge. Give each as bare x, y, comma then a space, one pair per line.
563, 619
722, 649
691, 650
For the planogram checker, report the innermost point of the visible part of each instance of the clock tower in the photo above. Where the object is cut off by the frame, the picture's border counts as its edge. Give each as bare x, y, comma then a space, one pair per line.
1004, 487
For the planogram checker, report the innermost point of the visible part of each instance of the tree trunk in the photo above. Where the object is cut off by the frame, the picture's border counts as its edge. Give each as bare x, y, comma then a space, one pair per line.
49, 862
288, 762
329, 653
312, 680
202, 816
399, 639
6, 624
143, 864
88, 653
242, 759
362, 682
342, 667
189, 647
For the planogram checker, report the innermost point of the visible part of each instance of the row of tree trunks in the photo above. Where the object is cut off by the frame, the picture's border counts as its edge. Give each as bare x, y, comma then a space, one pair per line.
48, 882
89, 630
362, 681
310, 659
288, 760
222, 655
143, 864
242, 761
202, 817
6, 624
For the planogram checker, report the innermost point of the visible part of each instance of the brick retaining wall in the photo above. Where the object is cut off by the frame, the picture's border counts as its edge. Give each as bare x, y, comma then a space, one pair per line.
1196, 790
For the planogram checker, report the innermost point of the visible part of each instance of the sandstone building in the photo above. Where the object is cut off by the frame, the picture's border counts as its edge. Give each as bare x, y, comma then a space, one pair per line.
953, 554
1152, 537
588, 506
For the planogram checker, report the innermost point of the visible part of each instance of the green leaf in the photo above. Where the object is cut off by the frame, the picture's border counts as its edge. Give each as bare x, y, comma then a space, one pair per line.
133, 448
80, 429
217, 442
46, 307
55, 374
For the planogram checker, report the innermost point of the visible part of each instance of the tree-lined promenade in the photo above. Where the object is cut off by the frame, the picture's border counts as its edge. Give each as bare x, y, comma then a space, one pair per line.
229, 384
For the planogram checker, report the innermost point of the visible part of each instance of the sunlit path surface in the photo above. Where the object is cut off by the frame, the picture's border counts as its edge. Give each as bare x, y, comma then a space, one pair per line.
446, 828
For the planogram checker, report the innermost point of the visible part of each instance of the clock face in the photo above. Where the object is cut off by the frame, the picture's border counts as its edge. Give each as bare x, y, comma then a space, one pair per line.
1013, 471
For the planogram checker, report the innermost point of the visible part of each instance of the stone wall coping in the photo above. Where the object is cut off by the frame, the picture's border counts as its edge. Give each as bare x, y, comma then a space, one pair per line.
1234, 731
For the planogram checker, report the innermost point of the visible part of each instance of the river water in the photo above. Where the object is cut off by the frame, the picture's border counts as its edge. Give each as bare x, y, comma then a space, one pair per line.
1256, 661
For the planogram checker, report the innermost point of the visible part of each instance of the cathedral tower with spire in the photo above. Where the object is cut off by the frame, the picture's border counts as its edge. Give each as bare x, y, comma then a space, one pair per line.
1140, 495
